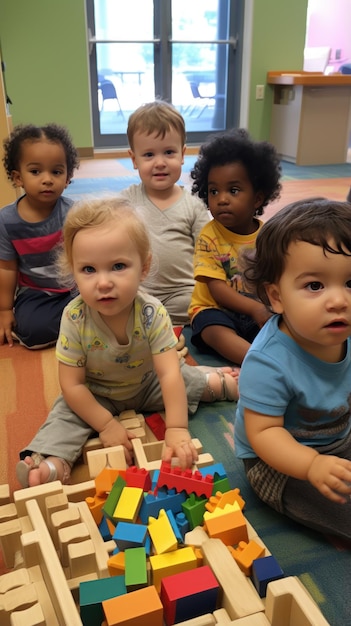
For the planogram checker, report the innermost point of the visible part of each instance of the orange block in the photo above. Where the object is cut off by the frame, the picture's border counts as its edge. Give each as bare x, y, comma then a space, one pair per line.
116, 564
246, 553
229, 526
137, 608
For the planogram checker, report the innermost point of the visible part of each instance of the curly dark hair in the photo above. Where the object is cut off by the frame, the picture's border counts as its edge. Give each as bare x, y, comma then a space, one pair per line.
318, 221
259, 158
29, 132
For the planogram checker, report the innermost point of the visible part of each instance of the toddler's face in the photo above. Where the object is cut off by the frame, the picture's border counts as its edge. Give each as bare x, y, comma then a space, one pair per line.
158, 159
232, 199
314, 297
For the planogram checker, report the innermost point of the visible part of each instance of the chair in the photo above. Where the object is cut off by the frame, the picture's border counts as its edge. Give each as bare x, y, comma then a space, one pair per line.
108, 92
207, 100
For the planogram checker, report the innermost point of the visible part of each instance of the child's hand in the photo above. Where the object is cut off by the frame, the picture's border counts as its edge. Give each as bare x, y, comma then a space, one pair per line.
178, 443
7, 322
114, 434
331, 475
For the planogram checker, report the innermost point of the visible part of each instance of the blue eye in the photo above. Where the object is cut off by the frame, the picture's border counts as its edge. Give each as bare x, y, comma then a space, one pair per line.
88, 269
119, 266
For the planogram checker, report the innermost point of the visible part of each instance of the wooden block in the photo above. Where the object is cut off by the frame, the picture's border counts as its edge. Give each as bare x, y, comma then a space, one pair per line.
77, 493
53, 504
10, 541
62, 519
106, 457
5, 497
288, 602
8, 512
139, 433
14, 579
203, 620
39, 494
92, 444
138, 608
50, 567
33, 616
221, 616
16, 600
70, 534
101, 549
81, 558
231, 578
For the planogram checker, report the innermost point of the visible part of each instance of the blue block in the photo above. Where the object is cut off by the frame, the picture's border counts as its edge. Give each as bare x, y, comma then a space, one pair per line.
265, 570
216, 470
174, 525
128, 535
165, 499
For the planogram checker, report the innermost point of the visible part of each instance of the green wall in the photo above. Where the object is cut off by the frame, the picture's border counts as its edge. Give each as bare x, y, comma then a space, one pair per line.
44, 47
278, 41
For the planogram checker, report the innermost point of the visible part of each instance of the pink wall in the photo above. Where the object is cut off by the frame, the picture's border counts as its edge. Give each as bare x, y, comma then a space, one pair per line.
329, 24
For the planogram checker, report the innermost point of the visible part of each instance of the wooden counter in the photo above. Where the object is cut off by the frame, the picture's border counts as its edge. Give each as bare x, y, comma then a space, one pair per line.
310, 122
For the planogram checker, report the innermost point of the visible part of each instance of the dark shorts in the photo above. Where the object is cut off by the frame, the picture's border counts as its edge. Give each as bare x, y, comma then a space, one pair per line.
243, 325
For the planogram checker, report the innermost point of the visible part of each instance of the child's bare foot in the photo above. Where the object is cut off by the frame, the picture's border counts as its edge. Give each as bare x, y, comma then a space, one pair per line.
37, 470
221, 384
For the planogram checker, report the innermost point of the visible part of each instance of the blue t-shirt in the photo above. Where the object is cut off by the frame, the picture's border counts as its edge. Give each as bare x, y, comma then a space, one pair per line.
33, 245
278, 378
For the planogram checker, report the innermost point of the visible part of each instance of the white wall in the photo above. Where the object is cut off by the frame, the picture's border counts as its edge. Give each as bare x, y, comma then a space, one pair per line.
329, 24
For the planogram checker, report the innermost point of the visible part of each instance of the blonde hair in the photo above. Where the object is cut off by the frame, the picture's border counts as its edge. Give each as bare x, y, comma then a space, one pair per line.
157, 116
92, 213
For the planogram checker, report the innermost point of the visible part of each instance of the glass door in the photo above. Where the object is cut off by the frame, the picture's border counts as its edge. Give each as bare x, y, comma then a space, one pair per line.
186, 52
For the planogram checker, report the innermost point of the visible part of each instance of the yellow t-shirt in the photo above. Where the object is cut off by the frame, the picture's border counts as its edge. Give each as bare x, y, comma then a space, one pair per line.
216, 256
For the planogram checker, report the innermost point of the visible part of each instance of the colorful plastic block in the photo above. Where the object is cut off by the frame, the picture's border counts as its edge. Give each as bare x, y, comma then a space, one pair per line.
170, 563
194, 509
129, 535
228, 525
152, 504
189, 594
161, 533
91, 595
265, 570
128, 505
138, 477
113, 497
135, 569
185, 480
245, 554
139, 608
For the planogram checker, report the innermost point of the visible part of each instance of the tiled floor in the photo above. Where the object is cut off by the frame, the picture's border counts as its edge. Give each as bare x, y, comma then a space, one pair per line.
117, 172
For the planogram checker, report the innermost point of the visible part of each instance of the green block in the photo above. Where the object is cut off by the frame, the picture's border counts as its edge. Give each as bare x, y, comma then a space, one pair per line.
135, 568
113, 497
194, 509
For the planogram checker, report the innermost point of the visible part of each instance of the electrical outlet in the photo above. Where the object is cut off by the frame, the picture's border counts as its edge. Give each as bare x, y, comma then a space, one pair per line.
259, 92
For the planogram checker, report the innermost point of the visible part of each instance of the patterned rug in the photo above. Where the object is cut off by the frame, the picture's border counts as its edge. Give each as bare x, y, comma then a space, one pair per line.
28, 387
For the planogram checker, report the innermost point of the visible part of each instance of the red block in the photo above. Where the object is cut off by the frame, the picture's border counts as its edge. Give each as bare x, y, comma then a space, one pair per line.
185, 480
189, 594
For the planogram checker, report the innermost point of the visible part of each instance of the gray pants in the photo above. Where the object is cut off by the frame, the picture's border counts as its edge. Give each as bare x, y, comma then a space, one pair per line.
64, 433
298, 499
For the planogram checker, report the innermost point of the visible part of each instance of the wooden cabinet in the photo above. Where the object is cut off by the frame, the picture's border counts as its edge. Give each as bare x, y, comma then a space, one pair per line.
7, 191
310, 122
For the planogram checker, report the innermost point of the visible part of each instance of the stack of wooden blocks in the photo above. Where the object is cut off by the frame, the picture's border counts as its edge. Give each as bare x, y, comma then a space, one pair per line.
141, 546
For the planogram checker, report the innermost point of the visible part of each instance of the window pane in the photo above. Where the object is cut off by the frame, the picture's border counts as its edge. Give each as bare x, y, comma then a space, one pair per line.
124, 20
